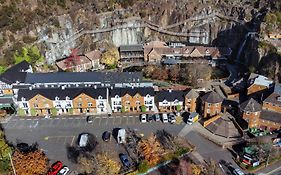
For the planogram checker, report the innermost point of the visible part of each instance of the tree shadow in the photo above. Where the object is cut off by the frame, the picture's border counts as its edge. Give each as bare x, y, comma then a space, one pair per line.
72, 153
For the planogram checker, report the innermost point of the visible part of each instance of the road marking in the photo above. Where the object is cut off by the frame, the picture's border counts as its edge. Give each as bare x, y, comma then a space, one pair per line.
56, 118
36, 119
22, 119
63, 118
111, 117
97, 117
36, 124
106, 122
70, 117
28, 119
130, 116
127, 120
117, 116
100, 121
72, 141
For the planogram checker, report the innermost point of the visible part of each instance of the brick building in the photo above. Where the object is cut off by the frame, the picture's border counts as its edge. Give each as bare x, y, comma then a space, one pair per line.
211, 104
250, 111
190, 100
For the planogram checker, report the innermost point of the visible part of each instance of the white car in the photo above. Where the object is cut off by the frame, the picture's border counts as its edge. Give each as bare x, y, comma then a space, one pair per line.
63, 171
83, 141
237, 171
165, 118
143, 118
172, 118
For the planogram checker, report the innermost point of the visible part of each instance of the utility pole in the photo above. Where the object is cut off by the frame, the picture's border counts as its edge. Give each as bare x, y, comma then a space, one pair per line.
14, 170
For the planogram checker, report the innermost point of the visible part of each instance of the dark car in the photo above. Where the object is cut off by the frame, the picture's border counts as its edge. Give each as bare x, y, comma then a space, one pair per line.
124, 159
149, 118
106, 136
55, 168
89, 119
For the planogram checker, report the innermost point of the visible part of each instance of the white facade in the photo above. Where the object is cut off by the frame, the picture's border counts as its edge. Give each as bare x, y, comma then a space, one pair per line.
23, 104
62, 105
101, 105
149, 102
166, 103
116, 104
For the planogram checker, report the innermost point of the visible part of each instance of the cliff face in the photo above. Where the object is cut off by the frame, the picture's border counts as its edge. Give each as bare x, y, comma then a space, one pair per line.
57, 26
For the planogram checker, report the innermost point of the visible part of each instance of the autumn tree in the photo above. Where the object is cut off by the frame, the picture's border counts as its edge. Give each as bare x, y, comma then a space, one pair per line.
99, 164
31, 161
151, 149
159, 74
148, 70
193, 72
5, 150
110, 57
174, 73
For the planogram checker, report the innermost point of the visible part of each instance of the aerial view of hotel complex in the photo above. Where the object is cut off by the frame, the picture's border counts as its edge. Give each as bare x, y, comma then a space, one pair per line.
140, 87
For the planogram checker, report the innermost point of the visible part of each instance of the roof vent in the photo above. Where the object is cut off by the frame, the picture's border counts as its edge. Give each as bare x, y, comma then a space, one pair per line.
111, 87
279, 98
170, 90
62, 87
30, 87
95, 87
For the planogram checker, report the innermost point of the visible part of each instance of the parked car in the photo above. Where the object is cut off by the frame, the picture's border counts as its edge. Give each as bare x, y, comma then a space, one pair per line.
55, 168
83, 140
237, 171
143, 118
124, 159
172, 118
106, 136
63, 171
178, 114
89, 119
164, 118
193, 117
149, 117
156, 117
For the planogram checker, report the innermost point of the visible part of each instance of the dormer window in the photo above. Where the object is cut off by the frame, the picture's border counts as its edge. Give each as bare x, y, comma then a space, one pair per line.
116, 96
207, 51
100, 97
23, 99
279, 98
148, 96
67, 98
57, 98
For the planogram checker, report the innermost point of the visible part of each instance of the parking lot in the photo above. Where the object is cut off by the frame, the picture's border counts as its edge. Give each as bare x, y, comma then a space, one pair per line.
78, 122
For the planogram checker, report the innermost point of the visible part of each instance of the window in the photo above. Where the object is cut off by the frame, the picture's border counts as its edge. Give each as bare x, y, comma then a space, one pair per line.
256, 113
217, 104
79, 104
208, 110
35, 105
100, 97
137, 102
25, 105
209, 104
90, 104
127, 102
22, 99
247, 113
148, 96
116, 96
67, 98
56, 98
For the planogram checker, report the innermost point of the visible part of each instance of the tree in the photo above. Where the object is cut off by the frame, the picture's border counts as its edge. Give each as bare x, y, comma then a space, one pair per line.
193, 72
99, 164
33, 112
33, 162
5, 150
178, 107
159, 74
21, 112
54, 111
148, 70
110, 57
143, 108
151, 150
174, 73
30, 54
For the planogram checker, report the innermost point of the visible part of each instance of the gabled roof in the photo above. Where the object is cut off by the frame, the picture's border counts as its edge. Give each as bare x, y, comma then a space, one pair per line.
16, 73
271, 116
274, 98
143, 91
61, 93
212, 97
259, 80
170, 95
97, 77
131, 47
250, 105
191, 94
94, 55
70, 63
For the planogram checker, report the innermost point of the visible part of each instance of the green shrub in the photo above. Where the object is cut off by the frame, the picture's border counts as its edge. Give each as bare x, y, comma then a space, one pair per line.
143, 167
123, 109
178, 107
28, 39
33, 112
54, 111
143, 108
70, 111
21, 112
5, 166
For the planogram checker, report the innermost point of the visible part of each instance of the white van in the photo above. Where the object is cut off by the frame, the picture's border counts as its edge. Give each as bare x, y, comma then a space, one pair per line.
165, 118
83, 141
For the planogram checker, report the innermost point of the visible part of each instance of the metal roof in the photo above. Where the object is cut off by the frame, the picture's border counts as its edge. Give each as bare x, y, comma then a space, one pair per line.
250, 105
133, 47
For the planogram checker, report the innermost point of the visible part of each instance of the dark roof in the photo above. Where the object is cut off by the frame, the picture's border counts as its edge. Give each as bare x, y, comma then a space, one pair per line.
277, 88
212, 97
250, 105
271, 116
224, 127
133, 47
170, 95
143, 91
61, 93
6, 100
191, 94
99, 77
273, 98
15, 73
170, 61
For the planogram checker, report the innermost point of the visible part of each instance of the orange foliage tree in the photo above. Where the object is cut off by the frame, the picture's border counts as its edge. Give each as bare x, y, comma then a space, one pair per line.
31, 163
151, 149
